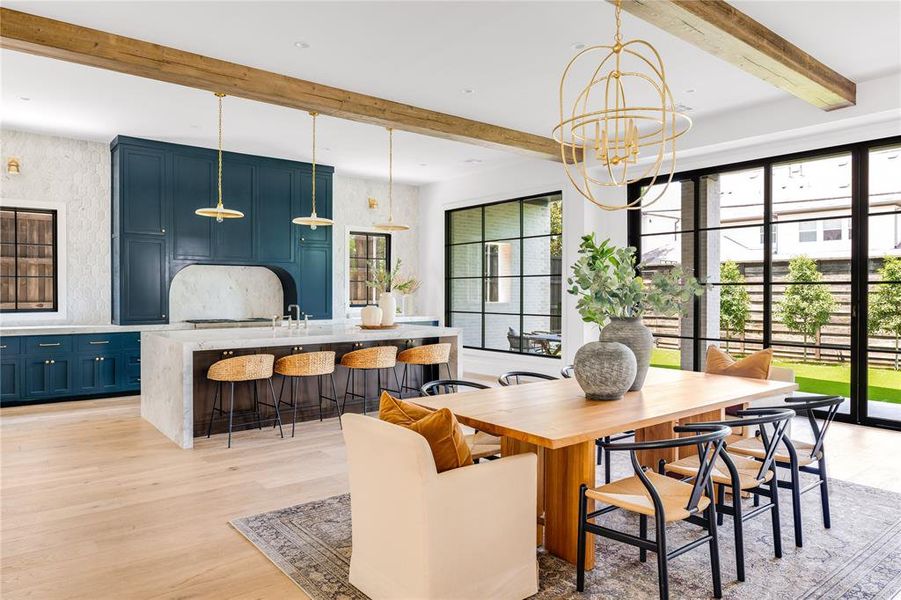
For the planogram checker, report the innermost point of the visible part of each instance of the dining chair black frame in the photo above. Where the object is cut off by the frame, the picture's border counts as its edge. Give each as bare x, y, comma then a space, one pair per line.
515, 377
806, 405
709, 440
429, 389
778, 419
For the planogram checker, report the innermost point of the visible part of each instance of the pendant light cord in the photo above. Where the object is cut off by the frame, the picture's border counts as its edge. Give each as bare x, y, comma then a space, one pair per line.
220, 96
314, 114
390, 175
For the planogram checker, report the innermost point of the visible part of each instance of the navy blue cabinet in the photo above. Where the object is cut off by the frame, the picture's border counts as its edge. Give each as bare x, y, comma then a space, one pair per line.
158, 186
41, 368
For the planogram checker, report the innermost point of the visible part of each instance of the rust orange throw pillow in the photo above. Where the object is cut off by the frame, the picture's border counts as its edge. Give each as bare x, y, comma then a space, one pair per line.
439, 428
755, 366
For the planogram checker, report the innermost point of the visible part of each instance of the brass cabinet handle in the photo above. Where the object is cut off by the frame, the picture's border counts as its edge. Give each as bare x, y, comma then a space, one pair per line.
3, 347
49, 362
96, 358
50, 345
139, 359
102, 358
139, 380
98, 342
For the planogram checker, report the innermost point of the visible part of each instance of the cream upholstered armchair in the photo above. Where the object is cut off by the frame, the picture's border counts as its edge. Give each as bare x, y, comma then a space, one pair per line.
468, 533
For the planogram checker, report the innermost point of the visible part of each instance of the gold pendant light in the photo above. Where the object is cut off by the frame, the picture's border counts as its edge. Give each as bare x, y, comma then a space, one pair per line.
313, 221
603, 137
219, 212
391, 225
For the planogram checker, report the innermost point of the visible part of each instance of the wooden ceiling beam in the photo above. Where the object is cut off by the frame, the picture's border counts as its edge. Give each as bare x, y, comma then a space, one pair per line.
720, 29
41, 36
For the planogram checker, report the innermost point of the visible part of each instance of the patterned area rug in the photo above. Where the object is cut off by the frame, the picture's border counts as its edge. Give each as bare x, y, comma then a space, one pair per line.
860, 557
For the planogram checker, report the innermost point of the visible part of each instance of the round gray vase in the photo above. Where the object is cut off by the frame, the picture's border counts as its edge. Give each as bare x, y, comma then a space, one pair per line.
638, 338
605, 370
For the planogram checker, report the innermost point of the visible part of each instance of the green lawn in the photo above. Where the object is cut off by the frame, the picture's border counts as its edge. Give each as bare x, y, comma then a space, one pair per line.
817, 378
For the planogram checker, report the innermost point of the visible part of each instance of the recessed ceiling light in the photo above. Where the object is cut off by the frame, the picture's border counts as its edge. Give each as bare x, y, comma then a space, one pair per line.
301, 45
195, 126
327, 149
24, 98
683, 108
473, 161
423, 164
468, 91
579, 46
690, 91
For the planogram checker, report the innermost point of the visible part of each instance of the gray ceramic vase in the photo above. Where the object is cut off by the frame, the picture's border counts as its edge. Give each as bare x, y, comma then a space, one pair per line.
605, 370
638, 338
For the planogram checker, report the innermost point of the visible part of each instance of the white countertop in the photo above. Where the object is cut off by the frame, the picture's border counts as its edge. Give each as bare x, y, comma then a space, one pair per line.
318, 333
70, 329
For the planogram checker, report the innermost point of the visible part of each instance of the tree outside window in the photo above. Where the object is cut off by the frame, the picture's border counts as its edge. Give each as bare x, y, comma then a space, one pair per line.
806, 305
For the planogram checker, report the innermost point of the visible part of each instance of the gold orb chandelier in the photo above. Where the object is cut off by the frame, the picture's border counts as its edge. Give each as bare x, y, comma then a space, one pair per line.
314, 220
604, 140
219, 212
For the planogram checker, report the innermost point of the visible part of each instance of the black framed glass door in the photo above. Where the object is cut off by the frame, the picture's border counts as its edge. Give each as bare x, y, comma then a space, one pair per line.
802, 254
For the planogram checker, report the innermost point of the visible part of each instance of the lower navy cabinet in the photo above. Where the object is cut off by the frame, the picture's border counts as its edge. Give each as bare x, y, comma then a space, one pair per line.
69, 367
10, 378
48, 376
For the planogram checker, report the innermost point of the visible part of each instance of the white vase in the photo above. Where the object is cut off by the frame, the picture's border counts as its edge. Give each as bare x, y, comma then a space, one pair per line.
388, 304
371, 315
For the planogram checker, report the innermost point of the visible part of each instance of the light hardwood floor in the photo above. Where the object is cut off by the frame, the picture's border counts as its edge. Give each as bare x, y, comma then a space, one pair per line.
97, 504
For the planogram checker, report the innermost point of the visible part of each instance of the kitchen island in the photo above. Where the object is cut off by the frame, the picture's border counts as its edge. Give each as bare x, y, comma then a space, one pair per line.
176, 397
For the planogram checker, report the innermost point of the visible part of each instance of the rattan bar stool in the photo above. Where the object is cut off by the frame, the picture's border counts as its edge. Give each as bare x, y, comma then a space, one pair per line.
251, 369
424, 356
365, 360
307, 364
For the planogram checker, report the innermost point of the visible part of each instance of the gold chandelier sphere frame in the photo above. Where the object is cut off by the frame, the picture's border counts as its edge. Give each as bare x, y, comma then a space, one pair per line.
605, 142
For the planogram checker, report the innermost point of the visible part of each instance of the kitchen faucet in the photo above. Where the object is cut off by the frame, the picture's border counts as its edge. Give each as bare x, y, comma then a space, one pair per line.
290, 306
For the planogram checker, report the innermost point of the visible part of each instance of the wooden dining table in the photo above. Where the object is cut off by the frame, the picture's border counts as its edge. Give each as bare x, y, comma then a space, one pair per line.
554, 420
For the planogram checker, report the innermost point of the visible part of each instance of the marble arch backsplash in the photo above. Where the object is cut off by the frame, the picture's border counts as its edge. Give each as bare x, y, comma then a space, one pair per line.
224, 292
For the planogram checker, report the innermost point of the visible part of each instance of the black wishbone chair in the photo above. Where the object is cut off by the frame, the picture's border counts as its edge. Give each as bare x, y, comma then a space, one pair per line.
516, 377
798, 456
601, 443
481, 444
651, 494
743, 474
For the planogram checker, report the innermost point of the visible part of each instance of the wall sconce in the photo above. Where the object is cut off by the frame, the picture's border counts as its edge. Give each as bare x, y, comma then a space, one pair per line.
373, 203
13, 167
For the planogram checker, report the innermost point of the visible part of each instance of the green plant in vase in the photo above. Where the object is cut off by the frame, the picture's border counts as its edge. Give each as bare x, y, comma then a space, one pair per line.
611, 295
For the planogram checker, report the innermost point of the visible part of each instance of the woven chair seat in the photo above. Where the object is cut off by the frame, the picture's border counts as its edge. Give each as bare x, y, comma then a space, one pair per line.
482, 444
747, 468
631, 494
754, 447
430, 354
242, 368
306, 364
377, 357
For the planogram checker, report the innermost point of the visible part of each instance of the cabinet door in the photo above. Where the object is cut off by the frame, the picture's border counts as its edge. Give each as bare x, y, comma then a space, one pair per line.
273, 214
315, 297
145, 293
98, 373
234, 237
143, 194
46, 377
320, 235
10, 379
193, 187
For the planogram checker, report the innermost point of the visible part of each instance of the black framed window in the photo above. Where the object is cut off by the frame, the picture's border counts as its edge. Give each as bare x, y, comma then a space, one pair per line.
368, 253
504, 274
28, 267
794, 248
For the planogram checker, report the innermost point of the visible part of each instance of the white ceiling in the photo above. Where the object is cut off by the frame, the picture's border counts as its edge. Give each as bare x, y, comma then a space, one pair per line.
511, 54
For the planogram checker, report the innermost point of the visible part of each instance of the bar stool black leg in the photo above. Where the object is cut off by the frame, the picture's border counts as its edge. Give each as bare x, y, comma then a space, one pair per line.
216, 393
294, 385
231, 412
335, 399
278, 416
347, 384
256, 405
319, 387
400, 390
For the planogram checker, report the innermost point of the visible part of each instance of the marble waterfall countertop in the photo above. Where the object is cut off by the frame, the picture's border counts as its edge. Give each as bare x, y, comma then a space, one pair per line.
109, 328
167, 360
262, 337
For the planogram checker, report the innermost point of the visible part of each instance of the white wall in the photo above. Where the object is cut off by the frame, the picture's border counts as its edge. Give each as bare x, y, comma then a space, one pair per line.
73, 177
352, 213
224, 292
